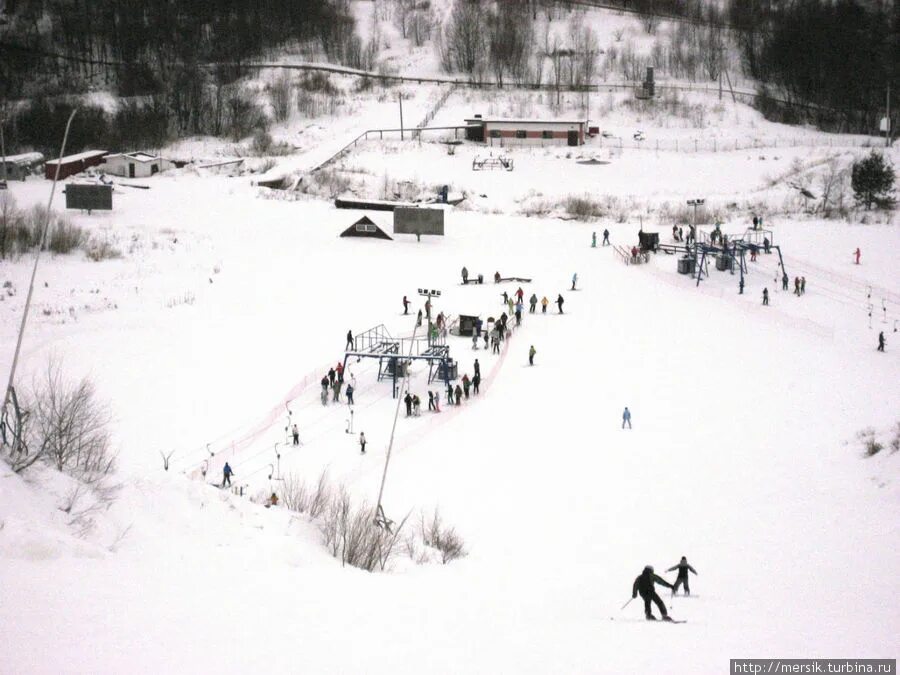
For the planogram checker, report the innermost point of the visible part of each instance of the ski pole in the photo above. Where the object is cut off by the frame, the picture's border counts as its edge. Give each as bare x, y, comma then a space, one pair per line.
626, 604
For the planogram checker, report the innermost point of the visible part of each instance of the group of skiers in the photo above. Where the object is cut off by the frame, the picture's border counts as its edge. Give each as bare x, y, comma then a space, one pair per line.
334, 381
605, 239
455, 395
645, 586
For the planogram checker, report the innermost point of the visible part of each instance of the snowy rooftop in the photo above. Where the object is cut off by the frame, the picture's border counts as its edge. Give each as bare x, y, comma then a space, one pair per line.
87, 154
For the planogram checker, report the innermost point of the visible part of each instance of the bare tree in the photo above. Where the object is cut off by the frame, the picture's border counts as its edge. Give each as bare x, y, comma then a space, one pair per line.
281, 92
510, 35
463, 37
71, 426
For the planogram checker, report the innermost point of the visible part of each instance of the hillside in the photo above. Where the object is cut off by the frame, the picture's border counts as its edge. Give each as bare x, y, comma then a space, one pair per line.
219, 304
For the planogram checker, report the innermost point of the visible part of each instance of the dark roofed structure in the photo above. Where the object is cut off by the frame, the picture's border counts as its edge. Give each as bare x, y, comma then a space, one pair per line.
364, 227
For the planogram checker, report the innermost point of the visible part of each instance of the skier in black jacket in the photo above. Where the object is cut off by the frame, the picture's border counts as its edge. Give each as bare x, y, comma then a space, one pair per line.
683, 569
644, 584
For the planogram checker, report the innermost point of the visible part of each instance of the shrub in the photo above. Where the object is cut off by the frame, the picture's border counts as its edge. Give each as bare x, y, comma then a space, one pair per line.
870, 443
244, 115
582, 208
444, 539
280, 94
65, 237
101, 249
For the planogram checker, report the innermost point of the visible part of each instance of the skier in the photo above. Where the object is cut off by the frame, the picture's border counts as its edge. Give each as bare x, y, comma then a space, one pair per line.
519, 295
324, 390
419, 319
796, 285
626, 417
405, 305
495, 341
755, 222
606, 237
295, 432
449, 394
574, 280
475, 341
784, 281
331, 376
339, 369
477, 367
227, 473
496, 277
505, 298
594, 240
802, 285
857, 255
880, 342
486, 338
532, 302
349, 340
766, 245
350, 395
430, 400
336, 388
362, 443
683, 569
765, 296
465, 275
544, 303
408, 401
518, 315
437, 401
272, 501
645, 585
466, 384
416, 405
531, 353
476, 381
458, 394
559, 302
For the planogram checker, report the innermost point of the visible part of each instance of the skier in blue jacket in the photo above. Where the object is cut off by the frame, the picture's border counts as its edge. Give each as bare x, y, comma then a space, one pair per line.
626, 418
226, 474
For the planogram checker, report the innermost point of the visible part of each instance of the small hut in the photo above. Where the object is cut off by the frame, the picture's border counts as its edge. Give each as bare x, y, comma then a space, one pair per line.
364, 227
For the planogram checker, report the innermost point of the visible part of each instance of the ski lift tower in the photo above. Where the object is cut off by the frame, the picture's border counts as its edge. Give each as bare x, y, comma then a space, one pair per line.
429, 293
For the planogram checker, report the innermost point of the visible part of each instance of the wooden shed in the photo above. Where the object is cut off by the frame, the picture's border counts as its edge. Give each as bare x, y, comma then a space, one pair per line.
69, 166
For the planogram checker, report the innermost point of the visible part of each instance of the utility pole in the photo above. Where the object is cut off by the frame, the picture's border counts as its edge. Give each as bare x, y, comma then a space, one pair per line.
400, 97
2, 150
887, 119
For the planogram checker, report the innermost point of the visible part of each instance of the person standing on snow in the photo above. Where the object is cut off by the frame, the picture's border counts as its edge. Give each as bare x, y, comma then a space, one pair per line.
683, 569
362, 443
645, 585
531, 352
574, 280
880, 342
802, 285
784, 281
594, 240
336, 388
408, 401
339, 369
331, 376
350, 395
532, 302
405, 305
349, 340
295, 432
626, 417
857, 255
324, 390
476, 381
458, 394
765, 296
465, 275
430, 400
477, 367
416, 405
227, 473
519, 295
606, 237
559, 302
437, 401
544, 303
466, 384
419, 319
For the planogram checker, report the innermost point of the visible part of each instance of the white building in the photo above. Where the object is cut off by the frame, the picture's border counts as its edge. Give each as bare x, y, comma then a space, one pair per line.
511, 132
134, 164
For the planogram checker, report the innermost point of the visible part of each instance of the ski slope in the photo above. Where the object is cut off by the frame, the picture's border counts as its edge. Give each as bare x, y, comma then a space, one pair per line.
742, 456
